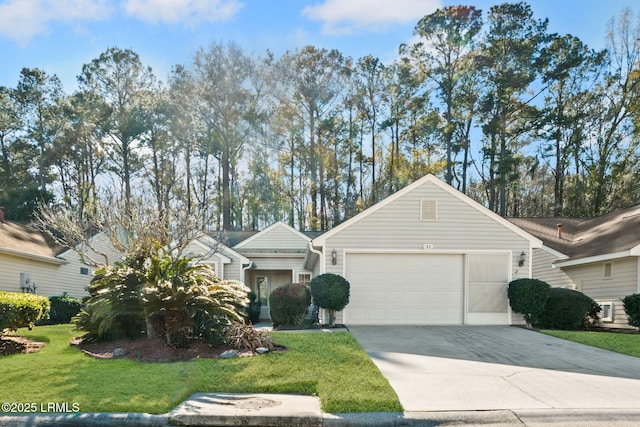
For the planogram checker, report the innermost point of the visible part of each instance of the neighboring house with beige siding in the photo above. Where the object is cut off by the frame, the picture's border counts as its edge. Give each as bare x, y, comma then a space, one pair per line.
31, 262
599, 257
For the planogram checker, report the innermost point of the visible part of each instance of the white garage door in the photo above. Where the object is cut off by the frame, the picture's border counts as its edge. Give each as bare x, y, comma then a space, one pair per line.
405, 289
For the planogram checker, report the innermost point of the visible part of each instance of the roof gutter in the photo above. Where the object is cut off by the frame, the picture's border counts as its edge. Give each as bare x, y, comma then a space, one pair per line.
35, 257
598, 258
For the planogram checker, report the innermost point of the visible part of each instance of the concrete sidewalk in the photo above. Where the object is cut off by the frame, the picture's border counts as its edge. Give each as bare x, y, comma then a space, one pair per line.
225, 409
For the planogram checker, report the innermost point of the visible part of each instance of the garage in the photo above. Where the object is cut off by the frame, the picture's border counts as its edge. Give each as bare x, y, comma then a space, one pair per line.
412, 288
405, 288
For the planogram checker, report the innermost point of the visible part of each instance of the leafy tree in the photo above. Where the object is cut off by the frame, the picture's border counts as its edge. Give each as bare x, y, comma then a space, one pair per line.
446, 40
228, 93
38, 95
121, 80
510, 59
311, 83
571, 73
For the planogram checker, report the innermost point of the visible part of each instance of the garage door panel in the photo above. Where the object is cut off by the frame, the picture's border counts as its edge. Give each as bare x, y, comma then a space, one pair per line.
405, 288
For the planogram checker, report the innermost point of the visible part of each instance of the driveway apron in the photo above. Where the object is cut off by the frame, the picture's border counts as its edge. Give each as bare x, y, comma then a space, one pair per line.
450, 368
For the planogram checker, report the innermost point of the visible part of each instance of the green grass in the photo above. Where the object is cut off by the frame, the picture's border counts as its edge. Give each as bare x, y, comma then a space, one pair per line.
619, 342
330, 365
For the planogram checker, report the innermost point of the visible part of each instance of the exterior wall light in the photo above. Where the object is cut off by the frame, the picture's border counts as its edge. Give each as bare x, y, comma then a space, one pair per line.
334, 257
522, 258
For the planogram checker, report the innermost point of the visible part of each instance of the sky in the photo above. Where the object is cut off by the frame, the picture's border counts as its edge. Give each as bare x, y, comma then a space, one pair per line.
59, 36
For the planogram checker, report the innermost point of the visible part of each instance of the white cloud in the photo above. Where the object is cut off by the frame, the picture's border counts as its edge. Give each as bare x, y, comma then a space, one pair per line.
187, 12
352, 16
21, 20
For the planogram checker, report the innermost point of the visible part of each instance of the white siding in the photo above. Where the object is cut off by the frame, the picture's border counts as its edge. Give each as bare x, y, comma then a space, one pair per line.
398, 226
229, 271
543, 270
279, 263
279, 236
624, 281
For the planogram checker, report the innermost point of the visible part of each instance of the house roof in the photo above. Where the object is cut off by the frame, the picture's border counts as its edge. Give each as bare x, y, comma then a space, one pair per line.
613, 233
27, 241
429, 178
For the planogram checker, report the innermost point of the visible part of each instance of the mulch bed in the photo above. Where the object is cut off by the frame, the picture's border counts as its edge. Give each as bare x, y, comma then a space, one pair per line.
153, 350
15, 345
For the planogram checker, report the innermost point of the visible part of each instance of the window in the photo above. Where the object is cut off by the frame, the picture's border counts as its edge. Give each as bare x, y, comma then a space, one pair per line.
607, 270
428, 210
84, 271
606, 315
304, 278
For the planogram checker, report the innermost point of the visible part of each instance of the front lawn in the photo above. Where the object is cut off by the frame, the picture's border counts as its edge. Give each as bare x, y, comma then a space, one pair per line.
615, 341
330, 365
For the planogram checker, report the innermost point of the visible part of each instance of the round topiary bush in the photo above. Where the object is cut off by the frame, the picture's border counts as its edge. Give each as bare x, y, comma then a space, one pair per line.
331, 292
288, 303
528, 297
565, 309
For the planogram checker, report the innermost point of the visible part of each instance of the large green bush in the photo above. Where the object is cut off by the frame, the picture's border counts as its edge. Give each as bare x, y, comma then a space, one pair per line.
20, 310
632, 308
565, 309
288, 303
62, 310
528, 297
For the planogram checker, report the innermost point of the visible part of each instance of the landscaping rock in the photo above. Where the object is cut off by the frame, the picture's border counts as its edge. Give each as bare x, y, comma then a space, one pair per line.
262, 350
119, 352
229, 354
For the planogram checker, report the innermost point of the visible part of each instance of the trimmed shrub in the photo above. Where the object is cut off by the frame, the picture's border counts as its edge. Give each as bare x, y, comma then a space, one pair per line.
62, 310
330, 291
565, 309
19, 310
632, 308
528, 297
288, 304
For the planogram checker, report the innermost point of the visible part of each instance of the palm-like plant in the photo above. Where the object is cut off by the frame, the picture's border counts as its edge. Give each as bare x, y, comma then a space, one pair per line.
177, 289
114, 308
161, 294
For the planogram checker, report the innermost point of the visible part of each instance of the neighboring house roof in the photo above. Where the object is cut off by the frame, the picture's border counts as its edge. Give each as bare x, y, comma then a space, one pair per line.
28, 242
612, 235
430, 178
232, 238
208, 243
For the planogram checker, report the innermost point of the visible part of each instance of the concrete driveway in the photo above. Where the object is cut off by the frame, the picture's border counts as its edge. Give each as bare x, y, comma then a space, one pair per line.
461, 368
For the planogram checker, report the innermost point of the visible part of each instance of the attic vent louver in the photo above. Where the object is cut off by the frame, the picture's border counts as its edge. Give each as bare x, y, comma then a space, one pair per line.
428, 210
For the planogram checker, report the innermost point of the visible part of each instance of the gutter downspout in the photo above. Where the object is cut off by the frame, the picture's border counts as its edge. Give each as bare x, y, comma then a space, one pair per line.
244, 270
320, 256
